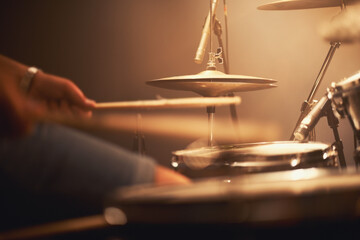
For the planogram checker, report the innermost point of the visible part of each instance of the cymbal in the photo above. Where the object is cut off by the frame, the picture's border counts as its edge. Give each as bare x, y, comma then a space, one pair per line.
344, 28
303, 4
170, 103
181, 126
270, 199
212, 83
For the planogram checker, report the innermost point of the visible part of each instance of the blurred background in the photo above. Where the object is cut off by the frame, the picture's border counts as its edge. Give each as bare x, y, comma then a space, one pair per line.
110, 48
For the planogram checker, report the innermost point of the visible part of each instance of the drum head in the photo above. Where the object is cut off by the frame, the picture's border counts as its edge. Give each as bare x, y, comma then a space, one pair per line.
255, 157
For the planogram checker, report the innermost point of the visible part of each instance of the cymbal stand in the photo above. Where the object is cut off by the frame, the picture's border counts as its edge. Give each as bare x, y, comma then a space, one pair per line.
211, 65
307, 104
218, 32
139, 139
211, 109
225, 61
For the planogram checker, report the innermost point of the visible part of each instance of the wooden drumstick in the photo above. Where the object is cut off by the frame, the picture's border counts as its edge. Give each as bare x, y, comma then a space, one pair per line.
170, 103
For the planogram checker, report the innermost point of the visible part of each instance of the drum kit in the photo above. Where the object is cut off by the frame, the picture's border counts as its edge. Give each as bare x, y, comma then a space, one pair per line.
253, 183
260, 157
259, 182
301, 151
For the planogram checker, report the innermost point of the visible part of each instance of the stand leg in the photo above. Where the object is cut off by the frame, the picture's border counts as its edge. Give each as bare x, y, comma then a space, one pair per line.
210, 112
139, 139
333, 123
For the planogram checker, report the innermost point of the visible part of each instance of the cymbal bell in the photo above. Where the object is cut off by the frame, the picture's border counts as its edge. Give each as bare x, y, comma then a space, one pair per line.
212, 83
303, 4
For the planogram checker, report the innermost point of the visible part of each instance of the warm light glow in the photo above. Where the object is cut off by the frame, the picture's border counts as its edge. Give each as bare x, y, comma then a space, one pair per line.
174, 164
302, 174
294, 162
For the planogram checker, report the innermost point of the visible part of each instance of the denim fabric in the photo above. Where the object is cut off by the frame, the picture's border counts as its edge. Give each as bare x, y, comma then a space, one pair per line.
57, 173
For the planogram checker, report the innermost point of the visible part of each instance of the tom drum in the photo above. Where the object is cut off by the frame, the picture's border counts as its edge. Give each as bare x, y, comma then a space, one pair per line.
238, 159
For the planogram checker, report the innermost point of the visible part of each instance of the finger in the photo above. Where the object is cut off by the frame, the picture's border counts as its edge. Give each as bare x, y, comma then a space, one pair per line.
76, 97
90, 103
52, 88
65, 108
81, 112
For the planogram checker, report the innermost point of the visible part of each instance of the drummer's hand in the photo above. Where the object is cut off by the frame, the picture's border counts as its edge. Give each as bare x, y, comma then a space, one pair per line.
60, 95
167, 176
17, 113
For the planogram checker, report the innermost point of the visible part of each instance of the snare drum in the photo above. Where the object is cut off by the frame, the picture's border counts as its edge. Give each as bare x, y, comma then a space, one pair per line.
347, 100
230, 160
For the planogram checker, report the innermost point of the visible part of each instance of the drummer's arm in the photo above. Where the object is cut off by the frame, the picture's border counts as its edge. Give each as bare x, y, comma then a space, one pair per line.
46, 93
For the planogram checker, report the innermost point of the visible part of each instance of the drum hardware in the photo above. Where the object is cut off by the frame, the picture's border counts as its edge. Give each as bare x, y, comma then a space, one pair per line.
308, 123
218, 33
305, 4
306, 106
206, 32
311, 111
139, 138
346, 99
211, 65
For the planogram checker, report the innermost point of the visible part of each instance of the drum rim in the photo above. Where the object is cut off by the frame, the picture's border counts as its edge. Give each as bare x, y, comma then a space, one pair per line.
254, 161
249, 145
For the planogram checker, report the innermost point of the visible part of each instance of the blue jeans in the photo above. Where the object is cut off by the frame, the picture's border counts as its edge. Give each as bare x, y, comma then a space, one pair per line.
58, 173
